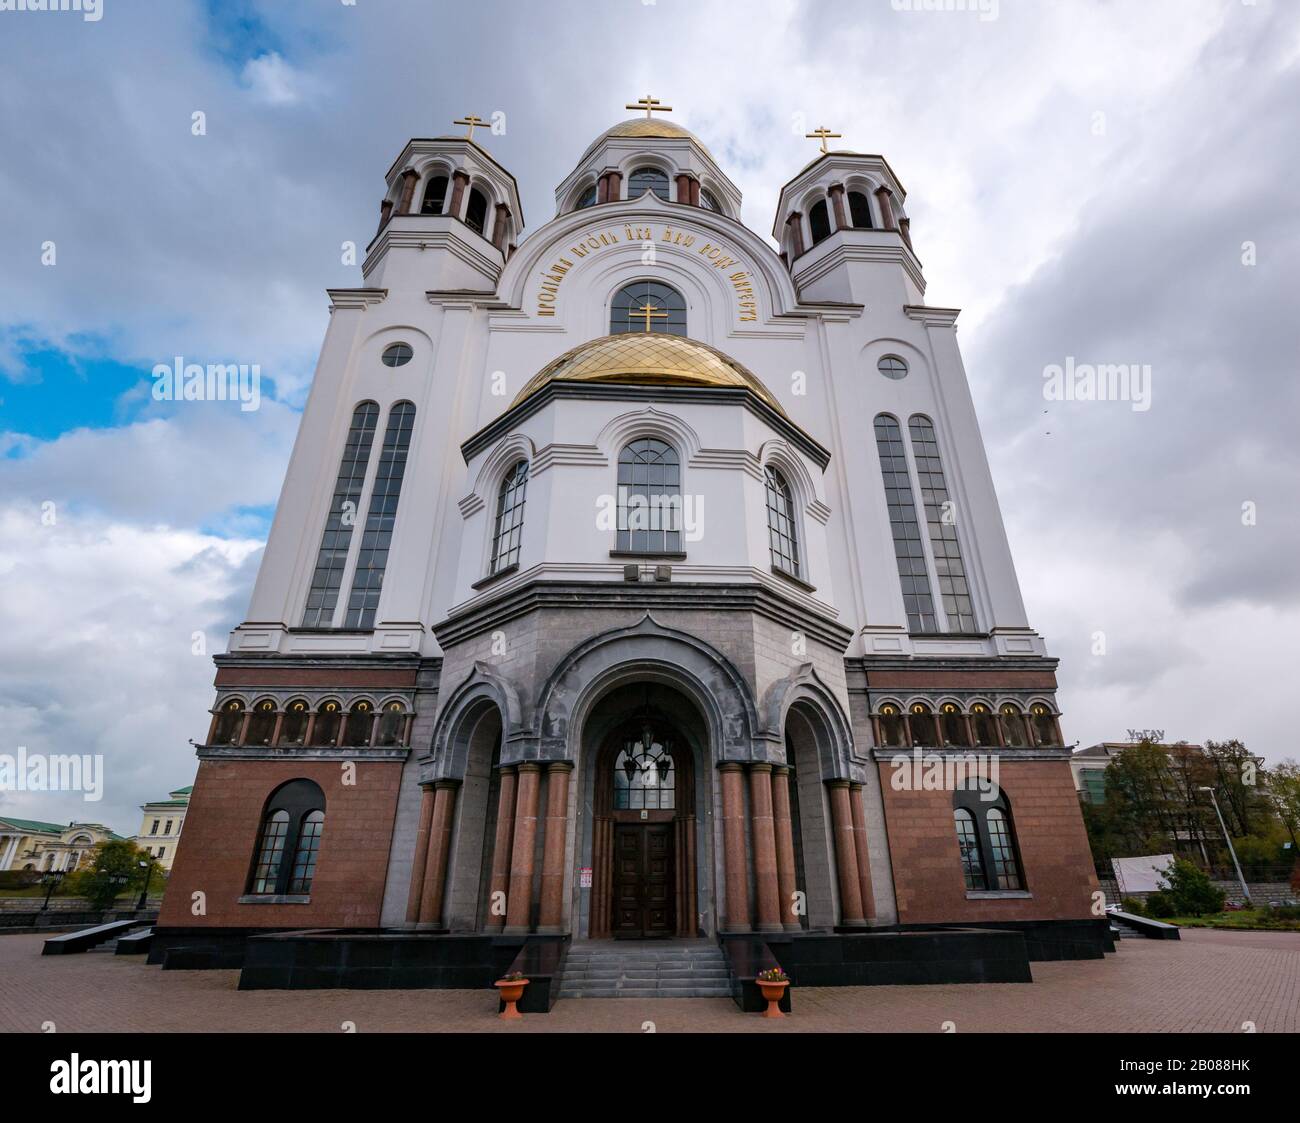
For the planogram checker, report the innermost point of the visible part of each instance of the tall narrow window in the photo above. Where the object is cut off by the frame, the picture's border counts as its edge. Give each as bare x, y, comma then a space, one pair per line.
292, 824
229, 722
649, 498
328, 720
968, 846
261, 724
392, 725
1044, 725
377, 536
1006, 871
819, 221
586, 199
332, 558
952, 724
507, 534
984, 724
1013, 727
435, 195
921, 722
647, 307
781, 535
647, 179
953, 588
476, 211
293, 729
360, 725
909, 550
859, 210
891, 726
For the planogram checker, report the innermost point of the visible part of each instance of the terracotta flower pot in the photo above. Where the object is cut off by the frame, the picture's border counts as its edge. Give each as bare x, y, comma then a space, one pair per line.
773, 992
512, 990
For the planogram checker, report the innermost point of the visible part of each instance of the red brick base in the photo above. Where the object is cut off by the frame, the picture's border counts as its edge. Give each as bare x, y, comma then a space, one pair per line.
221, 827
1049, 829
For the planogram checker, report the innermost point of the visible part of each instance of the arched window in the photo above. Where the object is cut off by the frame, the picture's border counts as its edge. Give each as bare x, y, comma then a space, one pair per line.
586, 199
649, 498
644, 776
909, 550
819, 221
328, 719
336, 538
476, 211
435, 194
892, 734
293, 729
952, 725
647, 179
1014, 732
986, 840
968, 844
1044, 724
921, 722
782, 537
984, 724
229, 722
262, 724
647, 306
360, 726
859, 210
508, 532
377, 536
948, 566
392, 725
707, 201
289, 840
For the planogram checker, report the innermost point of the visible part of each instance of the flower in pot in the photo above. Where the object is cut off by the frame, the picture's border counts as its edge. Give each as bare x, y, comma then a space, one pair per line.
511, 987
772, 982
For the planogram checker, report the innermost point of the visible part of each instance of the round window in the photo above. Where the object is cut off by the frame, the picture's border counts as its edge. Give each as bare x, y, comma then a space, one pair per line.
891, 366
397, 354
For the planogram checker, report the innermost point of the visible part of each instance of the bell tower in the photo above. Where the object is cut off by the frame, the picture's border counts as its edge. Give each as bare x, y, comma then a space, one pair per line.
844, 233
450, 217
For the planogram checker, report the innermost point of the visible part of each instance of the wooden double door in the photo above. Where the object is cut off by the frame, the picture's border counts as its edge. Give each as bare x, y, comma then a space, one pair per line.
644, 881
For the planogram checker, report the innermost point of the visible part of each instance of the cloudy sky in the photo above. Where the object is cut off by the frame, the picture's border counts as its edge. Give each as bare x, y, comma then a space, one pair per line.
1112, 182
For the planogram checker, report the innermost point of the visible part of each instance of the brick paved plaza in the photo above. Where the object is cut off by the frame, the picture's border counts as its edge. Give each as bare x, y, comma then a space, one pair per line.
1209, 981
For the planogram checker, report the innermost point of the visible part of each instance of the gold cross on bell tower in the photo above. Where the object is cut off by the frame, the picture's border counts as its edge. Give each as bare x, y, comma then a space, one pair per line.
821, 132
473, 121
649, 312
650, 105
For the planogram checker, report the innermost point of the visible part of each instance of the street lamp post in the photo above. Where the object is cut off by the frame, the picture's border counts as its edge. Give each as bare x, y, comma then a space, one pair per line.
1245, 893
51, 878
148, 875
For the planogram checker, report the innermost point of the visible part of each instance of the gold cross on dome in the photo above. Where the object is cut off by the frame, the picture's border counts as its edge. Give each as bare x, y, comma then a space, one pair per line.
650, 105
649, 311
821, 132
473, 121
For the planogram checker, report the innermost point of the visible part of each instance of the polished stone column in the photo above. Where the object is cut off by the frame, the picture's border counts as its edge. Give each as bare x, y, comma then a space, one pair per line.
795, 222
683, 188
886, 208
846, 856
837, 206
435, 868
784, 829
551, 918
499, 226
764, 840
860, 850
519, 905
421, 855
499, 880
695, 192
409, 179
459, 181
733, 847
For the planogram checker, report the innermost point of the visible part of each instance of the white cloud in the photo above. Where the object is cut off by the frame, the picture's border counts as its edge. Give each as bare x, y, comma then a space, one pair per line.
273, 80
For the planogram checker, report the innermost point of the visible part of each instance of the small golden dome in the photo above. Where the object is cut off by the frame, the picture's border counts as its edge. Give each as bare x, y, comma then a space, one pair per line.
648, 359
646, 127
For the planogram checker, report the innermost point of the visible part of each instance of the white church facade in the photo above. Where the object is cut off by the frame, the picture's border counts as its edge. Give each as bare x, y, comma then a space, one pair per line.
627, 581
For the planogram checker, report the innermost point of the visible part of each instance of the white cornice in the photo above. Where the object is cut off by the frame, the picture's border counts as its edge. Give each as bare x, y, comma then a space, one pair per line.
355, 298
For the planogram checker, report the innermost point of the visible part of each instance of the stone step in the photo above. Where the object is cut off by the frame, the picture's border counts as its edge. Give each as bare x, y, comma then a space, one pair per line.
646, 992
637, 971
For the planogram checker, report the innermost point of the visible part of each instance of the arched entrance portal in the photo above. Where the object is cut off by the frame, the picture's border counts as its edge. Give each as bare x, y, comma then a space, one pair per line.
643, 860
643, 743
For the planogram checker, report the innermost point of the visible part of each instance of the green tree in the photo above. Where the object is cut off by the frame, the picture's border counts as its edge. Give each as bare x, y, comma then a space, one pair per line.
114, 868
1189, 890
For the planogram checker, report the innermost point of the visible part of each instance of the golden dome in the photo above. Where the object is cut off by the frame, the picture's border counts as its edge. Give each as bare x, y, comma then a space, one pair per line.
648, 359
646, 127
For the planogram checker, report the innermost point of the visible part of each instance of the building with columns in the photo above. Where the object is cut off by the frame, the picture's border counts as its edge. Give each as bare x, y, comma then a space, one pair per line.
624, 578
32, 844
